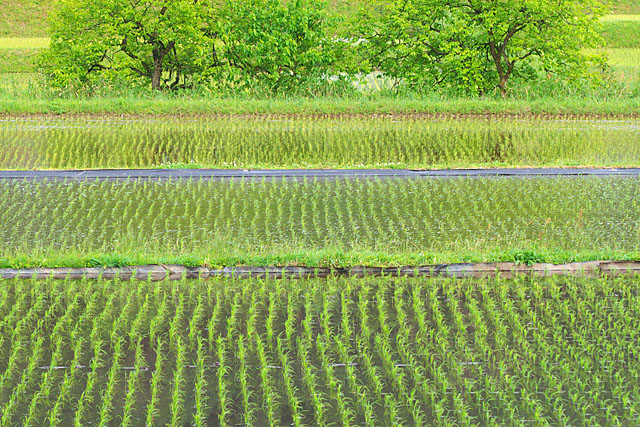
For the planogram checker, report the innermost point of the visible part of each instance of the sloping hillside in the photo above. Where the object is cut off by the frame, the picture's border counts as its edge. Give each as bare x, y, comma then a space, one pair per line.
28, 18
24, 18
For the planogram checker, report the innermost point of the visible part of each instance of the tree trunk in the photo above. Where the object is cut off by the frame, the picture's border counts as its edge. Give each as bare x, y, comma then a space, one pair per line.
156, 78
159, 53
496, 54
503, 85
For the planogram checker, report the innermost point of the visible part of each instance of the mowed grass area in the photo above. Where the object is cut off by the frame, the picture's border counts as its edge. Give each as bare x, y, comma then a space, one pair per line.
332, 352
24, 43
24, 18
625, 64
19, 56
621, 31
318, 222
625, 7
321, 142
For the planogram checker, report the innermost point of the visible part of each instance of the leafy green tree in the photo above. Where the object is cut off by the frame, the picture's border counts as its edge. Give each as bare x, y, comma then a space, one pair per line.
479, 45
164, 43
279, 43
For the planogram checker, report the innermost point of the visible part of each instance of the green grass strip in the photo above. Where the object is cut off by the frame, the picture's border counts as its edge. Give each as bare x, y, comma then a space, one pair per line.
381, 105
318, 258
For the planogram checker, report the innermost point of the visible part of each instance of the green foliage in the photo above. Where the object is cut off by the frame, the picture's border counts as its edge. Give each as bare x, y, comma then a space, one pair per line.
479, 46
309, 48
527, 257
263, 50
281, 44
108, 260
153, 43
237, 46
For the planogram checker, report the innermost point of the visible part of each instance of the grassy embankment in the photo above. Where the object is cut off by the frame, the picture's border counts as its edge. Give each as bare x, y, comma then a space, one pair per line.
312, 258
186, 105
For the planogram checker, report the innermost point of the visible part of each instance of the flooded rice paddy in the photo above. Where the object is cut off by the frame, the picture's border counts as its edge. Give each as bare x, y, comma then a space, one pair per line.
342, 352
335, 142
389, 214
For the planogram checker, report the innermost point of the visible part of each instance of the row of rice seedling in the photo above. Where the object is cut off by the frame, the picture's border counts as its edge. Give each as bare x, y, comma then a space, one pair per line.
322, 142
338, 351
234, 216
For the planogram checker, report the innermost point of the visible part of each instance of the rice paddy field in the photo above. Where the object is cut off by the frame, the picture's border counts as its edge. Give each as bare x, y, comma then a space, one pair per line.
329, 142
223, 221
335, 351
321, 352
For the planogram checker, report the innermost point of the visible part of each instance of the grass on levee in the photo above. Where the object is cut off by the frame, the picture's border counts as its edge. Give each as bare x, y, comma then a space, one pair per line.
461, 165
335, 258
162, 105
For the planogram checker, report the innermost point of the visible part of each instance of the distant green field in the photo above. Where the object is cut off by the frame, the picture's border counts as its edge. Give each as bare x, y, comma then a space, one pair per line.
625, 6
24, 43
17, 61
18, 55
24, 18
621, 31
624, 62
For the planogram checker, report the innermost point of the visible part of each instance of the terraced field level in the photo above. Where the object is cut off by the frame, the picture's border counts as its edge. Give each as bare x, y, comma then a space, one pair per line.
222, 221
337, 352
337, 142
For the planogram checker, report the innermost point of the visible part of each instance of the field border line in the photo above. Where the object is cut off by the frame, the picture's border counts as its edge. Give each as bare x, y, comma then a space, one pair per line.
457, 271
123, 174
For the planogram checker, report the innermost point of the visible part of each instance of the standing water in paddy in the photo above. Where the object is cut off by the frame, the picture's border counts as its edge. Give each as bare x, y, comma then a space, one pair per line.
235, 216
339, 142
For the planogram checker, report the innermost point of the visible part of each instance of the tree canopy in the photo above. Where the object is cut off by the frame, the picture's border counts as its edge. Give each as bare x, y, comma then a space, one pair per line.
475, 46
479, 45
164, 43
280, 43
